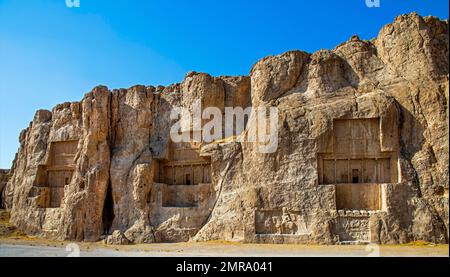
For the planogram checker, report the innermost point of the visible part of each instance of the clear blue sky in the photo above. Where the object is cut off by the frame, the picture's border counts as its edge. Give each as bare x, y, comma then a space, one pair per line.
51, 54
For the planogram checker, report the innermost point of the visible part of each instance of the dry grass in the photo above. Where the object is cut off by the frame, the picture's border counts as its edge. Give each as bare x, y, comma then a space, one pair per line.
419, 243
220, 242
8, 230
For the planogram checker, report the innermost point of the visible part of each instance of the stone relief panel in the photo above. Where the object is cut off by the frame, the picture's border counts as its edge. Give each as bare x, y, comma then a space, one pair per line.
355, 155
184, 166
353, 229
281, 222
55, 174
356, 165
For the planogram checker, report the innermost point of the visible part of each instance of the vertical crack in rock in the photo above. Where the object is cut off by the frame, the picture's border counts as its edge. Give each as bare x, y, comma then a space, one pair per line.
108, 211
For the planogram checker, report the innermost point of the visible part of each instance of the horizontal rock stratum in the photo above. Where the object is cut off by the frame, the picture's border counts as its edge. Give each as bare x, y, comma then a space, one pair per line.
362, 153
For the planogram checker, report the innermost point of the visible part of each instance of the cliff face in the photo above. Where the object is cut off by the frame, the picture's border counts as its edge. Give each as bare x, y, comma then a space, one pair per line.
361, 156
4, 177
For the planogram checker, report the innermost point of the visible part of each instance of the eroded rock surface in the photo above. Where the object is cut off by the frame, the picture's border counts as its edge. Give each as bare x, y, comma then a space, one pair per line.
4, 177
362, 153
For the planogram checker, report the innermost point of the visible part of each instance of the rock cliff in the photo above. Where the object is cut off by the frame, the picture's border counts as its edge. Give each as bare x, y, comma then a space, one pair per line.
361, 156
4, 177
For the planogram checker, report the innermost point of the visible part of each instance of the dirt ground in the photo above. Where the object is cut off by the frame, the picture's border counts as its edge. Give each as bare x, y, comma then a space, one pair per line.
29, 247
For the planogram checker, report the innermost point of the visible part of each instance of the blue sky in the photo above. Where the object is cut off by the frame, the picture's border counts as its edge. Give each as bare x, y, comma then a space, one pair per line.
50, 54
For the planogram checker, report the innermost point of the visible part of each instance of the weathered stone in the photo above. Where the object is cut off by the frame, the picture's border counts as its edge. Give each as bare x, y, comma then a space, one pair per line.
117, 238
4, 177
362, 153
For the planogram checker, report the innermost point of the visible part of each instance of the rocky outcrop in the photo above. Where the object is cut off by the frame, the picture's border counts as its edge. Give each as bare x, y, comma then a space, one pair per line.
361, 156
117, 238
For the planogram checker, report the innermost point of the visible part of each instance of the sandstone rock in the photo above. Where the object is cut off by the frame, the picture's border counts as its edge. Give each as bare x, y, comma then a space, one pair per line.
141, 232
275, 75
415, 47
362, 153
4, 177
117, 238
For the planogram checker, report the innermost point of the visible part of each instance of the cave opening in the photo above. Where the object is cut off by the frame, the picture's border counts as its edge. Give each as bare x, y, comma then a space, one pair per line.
108, 211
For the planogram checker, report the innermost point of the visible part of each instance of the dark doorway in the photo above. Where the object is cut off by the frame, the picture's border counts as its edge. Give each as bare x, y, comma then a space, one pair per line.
188, 179
355, 176
108, 211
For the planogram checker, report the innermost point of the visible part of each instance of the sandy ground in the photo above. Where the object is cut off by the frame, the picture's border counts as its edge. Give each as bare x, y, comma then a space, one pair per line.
43, 248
